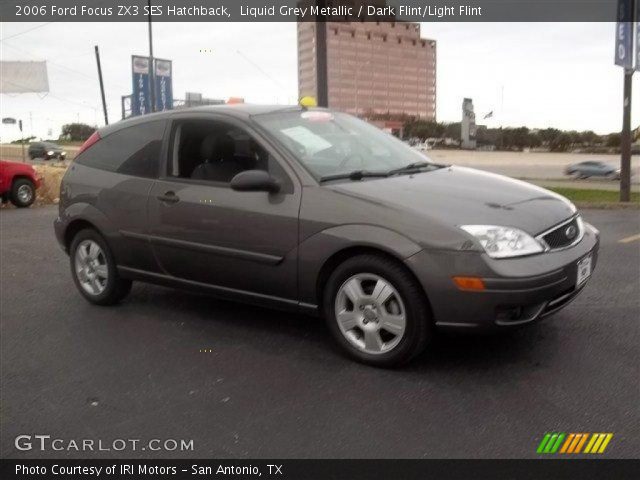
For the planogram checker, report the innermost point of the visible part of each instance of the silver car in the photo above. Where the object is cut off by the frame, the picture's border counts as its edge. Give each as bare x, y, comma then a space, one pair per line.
318, 212
593, 168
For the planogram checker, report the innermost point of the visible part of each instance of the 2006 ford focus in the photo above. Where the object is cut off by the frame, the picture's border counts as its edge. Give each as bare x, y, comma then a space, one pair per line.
319, 212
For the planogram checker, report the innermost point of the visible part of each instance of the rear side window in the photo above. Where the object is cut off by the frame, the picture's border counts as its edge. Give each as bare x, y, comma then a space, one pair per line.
132, 151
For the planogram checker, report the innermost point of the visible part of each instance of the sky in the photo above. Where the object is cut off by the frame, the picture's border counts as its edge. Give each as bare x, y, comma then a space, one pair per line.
529, 74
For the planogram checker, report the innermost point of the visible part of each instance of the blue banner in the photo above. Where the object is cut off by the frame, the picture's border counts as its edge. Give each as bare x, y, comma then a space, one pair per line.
140, 98
638, 35
163, 83
624, 34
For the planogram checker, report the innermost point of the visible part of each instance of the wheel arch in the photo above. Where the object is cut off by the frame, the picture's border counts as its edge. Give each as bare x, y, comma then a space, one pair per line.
73, 228
351, 251
21, 176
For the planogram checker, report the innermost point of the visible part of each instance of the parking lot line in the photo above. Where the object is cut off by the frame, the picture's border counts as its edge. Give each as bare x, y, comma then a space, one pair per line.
630, 239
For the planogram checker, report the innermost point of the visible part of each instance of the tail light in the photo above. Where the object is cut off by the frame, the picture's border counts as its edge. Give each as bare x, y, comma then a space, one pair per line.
95, 136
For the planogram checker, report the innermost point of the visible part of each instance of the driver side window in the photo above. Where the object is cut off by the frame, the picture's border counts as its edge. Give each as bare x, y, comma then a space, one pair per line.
215, 151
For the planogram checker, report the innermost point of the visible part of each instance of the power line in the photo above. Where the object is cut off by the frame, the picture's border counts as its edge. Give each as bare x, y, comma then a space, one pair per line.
255, 65
25, 31
55, 64
57, 97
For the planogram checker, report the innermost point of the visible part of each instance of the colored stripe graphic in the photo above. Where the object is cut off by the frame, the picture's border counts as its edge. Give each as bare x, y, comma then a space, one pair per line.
551, 442
556, 446
598, 442
583, 439
573, 443
543, 443
567, 442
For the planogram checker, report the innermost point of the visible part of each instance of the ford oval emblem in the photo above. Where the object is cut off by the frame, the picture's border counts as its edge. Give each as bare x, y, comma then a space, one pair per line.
571, 232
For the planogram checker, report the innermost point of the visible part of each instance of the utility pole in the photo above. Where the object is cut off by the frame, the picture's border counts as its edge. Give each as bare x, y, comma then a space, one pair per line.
625, 144
104, 102
624, 53
152, 66
21, 139
322, 80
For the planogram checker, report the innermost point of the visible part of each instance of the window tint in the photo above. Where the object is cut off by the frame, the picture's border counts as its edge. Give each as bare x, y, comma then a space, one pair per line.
216, 152
131, 151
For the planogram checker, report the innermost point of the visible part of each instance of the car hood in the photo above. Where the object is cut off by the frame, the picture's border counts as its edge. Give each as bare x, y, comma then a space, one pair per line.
464, 196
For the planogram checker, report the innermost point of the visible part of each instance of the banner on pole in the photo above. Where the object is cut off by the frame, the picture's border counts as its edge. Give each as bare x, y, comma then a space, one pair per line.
163, 84
638, 35
624, 34
140, 99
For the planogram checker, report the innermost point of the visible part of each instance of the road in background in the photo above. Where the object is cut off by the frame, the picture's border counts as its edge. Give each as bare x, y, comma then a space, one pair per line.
274, 386
528, 166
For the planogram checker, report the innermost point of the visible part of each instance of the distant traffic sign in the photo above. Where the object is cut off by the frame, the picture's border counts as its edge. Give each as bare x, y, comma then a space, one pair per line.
624, 34
638, 35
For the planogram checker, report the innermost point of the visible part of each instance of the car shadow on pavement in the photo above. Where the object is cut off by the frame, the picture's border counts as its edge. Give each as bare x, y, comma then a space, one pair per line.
265, 329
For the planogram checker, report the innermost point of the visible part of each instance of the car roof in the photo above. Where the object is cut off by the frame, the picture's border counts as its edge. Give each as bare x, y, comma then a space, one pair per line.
237, 110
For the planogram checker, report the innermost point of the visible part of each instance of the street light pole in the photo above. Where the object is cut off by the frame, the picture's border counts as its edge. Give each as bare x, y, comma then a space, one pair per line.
104, 102
152, 69
625, 143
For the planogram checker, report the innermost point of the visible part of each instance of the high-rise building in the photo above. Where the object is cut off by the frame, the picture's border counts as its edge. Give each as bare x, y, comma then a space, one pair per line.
364, 68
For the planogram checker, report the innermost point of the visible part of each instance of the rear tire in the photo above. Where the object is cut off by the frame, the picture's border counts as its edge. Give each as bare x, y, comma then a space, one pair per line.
23, 193
377, 311
94, 270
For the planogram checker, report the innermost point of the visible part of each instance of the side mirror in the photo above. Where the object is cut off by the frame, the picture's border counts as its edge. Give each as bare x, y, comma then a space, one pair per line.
255, 181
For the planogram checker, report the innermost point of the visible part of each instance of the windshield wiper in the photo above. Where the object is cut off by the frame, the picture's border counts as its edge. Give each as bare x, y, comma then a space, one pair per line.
415, 167
354, 175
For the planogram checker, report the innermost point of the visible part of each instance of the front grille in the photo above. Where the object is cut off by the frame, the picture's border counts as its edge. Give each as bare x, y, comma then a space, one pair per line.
563, 235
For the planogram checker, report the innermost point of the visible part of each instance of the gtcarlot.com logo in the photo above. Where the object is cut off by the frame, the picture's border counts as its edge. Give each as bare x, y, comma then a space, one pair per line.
573, 443
46, 442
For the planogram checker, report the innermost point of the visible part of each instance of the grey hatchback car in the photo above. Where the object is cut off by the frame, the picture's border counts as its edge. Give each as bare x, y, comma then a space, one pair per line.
319, 212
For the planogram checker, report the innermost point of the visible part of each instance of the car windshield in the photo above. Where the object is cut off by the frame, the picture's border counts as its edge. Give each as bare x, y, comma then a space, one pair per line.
331, 144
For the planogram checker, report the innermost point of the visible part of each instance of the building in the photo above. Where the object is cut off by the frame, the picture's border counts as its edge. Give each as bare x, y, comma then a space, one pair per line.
368, 68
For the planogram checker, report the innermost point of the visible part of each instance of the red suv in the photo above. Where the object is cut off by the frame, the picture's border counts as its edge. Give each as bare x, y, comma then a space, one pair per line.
18, 183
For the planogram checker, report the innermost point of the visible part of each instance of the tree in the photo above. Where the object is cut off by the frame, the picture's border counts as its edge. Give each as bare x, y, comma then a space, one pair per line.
548, 135
589, 138
76, 132
562, 142
614, 140
424, 129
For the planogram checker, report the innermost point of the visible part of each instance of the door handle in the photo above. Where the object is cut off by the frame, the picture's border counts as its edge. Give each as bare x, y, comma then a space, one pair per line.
169, 197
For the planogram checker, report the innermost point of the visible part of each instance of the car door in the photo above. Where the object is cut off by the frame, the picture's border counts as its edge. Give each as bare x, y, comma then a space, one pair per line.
115, 176
205, 232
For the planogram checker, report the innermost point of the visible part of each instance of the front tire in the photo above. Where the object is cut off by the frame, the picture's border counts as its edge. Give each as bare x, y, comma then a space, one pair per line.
377, 311
94, 270
23, 193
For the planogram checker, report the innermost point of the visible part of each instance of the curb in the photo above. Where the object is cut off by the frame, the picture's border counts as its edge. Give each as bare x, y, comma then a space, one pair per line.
608, 205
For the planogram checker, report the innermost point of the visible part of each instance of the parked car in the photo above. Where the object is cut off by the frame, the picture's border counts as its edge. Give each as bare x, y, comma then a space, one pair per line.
319, 212
46, 150
593, 168
18, 183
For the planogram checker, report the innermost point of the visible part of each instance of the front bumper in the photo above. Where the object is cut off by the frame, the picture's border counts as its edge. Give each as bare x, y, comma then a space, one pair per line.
517, 291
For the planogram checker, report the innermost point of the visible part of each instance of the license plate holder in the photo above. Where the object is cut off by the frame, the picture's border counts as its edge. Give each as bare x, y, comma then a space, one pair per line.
583, 270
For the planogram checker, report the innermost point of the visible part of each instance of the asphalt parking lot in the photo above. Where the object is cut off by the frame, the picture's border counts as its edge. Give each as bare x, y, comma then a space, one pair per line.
244, 382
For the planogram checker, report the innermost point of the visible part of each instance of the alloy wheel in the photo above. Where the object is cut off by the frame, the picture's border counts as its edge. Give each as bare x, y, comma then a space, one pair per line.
370, 313
91, 267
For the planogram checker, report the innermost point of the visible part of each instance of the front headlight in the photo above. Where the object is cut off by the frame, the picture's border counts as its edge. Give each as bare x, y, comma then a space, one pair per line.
50, 152
503, 242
